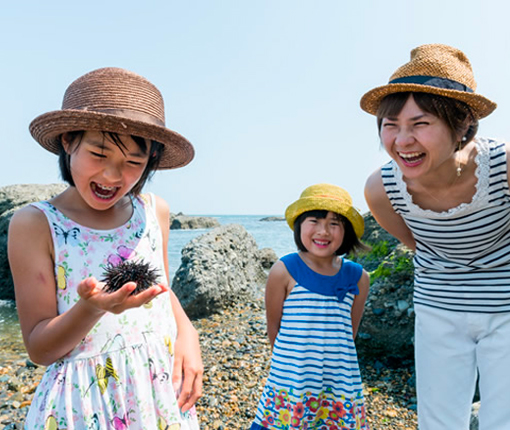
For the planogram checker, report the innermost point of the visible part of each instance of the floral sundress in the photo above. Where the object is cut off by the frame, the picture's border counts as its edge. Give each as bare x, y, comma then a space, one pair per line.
120, 375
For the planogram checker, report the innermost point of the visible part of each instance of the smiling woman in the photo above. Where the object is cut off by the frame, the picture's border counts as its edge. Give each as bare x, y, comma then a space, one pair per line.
445, 195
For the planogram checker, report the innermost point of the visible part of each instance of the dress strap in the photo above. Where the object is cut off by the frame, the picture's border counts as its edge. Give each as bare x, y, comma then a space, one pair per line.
345, 281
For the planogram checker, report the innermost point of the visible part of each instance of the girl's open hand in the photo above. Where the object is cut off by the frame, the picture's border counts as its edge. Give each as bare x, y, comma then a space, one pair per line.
93, 295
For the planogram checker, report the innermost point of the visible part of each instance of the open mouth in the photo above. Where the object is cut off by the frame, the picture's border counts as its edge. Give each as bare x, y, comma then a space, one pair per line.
321, 243
102, 191
411, 158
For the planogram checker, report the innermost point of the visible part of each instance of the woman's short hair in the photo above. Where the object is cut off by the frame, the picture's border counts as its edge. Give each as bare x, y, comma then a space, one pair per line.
455, 113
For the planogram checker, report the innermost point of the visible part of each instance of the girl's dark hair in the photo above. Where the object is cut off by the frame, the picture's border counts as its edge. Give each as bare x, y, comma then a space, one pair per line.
155, 152
453, 112
350, 244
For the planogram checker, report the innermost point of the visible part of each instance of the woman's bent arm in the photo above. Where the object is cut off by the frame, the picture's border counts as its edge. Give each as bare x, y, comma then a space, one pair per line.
381, 209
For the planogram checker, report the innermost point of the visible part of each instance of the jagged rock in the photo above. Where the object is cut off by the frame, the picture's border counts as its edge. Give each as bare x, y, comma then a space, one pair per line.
273, 218
185, 222
387, 327
12, 198
267, 257
218, 269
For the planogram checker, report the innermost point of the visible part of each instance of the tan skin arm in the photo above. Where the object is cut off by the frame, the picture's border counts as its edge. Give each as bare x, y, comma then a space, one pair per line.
358, 305
49, 336
188, 366
278, 286
381, 209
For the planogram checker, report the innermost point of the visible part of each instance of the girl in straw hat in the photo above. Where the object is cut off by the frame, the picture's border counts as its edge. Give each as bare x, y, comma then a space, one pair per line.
445, 195
115, 360
314, 303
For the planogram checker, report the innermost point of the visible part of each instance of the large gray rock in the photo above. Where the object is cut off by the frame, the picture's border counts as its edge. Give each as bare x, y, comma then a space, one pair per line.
387, 327
186, 222
12, 198
218, 269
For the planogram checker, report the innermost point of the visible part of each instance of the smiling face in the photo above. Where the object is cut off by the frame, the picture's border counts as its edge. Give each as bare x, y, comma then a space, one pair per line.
322, 237
420, 143
104, 171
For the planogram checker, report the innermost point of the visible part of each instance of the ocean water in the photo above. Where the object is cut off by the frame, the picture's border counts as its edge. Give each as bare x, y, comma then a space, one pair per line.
267, 234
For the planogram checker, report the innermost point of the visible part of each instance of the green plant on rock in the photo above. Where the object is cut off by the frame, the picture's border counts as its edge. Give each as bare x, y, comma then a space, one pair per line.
379, 249
394, 264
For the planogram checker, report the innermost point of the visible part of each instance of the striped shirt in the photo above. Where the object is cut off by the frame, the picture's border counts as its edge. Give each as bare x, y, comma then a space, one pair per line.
462, 259
314, 376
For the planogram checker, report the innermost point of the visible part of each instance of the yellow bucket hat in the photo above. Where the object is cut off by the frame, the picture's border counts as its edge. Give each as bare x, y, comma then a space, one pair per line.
326, 197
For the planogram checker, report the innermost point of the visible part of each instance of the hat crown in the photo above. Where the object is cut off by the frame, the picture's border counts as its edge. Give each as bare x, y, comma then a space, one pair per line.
325, 197
327, 191
438, 60
118, 91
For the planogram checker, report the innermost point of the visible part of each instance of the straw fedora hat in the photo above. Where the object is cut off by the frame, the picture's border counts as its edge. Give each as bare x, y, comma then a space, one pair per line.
326, 197
436, 69
113, 100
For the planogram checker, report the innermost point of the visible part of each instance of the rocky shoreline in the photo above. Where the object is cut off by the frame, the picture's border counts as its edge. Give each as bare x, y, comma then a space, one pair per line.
236, 356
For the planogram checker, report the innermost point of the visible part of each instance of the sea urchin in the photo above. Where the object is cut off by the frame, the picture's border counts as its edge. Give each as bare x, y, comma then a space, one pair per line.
130, 271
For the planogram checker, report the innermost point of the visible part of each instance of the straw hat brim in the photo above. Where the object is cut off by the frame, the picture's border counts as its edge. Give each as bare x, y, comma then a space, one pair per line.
481, 106
305, 204
47, 128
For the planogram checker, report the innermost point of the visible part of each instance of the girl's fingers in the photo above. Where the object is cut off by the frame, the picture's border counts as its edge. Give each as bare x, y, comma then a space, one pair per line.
92, 291
177, 372
189, 397
88, 288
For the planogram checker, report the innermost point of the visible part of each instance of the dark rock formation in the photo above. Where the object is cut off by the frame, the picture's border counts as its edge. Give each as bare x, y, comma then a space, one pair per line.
180, 221
12, 198
273, 218
217, 269
267, 257
387, 327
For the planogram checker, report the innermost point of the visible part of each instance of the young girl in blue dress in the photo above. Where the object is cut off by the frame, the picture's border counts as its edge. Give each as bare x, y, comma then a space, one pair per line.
314, 303
115, 360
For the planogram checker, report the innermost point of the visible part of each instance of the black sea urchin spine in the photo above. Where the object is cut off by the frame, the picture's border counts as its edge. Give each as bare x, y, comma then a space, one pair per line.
130, 271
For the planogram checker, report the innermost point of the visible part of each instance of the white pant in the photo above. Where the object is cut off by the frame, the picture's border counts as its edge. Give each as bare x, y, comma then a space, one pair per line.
450, 348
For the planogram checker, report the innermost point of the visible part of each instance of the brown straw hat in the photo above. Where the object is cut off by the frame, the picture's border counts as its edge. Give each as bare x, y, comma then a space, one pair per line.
436, 69
326, 197
113, 100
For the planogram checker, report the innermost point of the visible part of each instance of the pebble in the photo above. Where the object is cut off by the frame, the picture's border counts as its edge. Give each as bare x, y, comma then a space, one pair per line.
236, 355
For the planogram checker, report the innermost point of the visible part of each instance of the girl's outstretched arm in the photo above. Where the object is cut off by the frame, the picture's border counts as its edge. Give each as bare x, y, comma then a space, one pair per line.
381, 209
358, 305
188, 367
278, 286
49, 336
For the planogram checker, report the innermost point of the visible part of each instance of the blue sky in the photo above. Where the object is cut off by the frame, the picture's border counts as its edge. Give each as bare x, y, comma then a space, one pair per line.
267, 91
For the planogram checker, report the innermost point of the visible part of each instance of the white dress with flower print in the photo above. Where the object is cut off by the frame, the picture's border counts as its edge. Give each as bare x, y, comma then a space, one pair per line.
120, 375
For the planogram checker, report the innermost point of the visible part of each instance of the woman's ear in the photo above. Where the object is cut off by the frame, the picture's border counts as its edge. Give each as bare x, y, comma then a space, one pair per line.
461, 135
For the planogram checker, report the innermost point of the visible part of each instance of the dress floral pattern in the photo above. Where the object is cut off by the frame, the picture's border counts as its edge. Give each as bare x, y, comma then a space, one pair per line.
119, 375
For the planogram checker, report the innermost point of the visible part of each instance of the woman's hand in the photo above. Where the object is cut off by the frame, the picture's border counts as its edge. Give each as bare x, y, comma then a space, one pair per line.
188, 367
97, 300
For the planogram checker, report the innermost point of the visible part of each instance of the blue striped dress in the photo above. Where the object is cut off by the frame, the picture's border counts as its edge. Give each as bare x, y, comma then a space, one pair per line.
462, 255
314, 381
